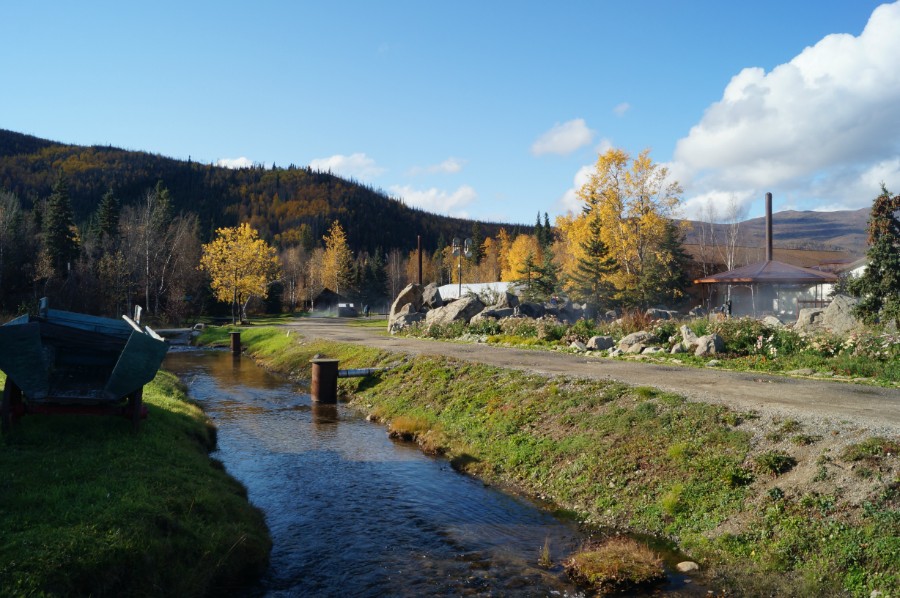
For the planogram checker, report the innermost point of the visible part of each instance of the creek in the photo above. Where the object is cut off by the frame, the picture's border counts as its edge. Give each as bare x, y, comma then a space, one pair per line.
353, 513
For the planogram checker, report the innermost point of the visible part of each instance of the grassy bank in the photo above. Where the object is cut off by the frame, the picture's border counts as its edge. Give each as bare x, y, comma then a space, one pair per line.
89, 508
766, 506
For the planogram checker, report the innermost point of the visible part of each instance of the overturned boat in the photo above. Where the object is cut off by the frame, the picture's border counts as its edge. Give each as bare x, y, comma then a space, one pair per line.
67, 362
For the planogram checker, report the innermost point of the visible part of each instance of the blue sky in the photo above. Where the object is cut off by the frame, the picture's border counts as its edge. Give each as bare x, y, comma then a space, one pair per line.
489, 110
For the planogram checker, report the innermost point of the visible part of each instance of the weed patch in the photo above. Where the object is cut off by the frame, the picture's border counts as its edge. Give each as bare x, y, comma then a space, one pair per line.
616, 565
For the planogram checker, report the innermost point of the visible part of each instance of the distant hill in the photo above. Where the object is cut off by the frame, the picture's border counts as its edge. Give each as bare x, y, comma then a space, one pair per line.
822, 231
278, 202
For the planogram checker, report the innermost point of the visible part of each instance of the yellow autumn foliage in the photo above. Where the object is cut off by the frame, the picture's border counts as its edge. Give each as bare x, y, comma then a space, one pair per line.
634, 201
239, 263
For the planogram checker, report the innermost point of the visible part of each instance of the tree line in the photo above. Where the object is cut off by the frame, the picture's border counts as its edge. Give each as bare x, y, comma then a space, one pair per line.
623, 249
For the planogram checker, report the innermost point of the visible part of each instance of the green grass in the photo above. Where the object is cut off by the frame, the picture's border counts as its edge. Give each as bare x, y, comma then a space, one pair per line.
636, 459
89, 508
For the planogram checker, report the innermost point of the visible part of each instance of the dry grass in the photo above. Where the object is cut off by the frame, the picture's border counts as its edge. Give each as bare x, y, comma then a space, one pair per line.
408, 428
615, 565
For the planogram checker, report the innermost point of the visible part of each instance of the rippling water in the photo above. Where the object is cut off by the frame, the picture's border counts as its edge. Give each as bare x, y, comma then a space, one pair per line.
354, 514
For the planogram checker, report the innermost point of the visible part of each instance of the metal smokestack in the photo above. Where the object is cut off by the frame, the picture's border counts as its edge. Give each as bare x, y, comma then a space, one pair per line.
768, 227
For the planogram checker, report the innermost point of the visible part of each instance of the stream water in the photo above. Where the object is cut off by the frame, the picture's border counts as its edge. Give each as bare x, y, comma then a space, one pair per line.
353, 513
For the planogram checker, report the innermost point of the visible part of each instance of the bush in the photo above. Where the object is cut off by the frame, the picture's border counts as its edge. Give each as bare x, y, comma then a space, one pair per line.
774, 463
871, 449
583, 330
615, 565
524, 327
488, 326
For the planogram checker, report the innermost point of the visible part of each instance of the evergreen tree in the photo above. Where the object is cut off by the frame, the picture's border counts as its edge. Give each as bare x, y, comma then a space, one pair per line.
107, 224
60, 243
539, 230
879, 286
590, 278
477, 242
666, 274
540, 279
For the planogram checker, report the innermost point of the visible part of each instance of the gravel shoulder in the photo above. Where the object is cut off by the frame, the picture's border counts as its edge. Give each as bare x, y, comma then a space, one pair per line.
820, 404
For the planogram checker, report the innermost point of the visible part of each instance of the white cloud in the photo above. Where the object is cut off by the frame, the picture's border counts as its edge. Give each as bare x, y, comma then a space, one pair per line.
563, 138
821, 127
621, 109
604, 146
358, 166
569, 202
448, 166
241, 162
436, 200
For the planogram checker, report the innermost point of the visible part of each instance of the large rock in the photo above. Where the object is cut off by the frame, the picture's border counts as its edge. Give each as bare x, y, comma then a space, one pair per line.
493, 313
463, 309
809, 320
570, 313
697, 312
688, 338
412, 295
838, 316
406, 321
531, 310
405, 317
600, 343
506, 300
635, 338
709, 345
772, 322
431, 297
660, 314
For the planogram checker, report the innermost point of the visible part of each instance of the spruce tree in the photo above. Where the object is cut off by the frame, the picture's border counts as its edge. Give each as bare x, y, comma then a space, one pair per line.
665, 276
108, 216
60, 242
591, 271
879, 286
477, 242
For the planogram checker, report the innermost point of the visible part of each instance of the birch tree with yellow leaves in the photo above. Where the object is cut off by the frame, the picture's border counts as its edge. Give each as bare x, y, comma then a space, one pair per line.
240, 266
633, 201
337, 259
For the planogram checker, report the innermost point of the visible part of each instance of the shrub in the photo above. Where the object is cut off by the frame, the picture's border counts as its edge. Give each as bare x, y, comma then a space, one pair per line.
671, 502
488, 326
583, 330
634, 320
737, 476
615, 565
774, 463
871, 449
524, 327
551, 330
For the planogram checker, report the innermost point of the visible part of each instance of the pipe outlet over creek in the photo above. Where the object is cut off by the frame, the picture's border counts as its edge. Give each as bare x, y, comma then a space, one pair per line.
353, 513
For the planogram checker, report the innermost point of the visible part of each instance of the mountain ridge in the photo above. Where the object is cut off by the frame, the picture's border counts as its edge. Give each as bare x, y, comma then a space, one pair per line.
279, 202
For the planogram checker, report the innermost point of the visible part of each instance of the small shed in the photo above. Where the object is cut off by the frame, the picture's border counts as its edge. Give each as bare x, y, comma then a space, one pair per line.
768, 287
328, 300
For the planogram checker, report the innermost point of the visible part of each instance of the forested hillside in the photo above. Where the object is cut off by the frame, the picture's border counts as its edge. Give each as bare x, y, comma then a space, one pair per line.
286, 205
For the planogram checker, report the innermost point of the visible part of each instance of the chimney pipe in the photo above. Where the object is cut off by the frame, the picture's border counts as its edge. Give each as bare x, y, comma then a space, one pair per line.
768, 227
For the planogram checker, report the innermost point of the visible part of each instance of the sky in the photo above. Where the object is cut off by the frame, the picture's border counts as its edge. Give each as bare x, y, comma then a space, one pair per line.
490, 110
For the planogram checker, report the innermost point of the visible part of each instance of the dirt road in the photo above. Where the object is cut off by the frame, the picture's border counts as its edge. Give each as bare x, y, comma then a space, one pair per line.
877, 409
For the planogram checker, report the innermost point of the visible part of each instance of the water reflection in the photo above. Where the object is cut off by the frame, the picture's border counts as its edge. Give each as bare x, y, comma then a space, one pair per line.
352, 513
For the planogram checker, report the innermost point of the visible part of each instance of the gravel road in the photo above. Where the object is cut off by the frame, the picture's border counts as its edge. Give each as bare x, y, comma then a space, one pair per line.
814, 401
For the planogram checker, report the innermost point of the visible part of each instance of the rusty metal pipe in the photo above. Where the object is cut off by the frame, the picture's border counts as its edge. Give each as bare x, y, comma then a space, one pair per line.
323, 386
